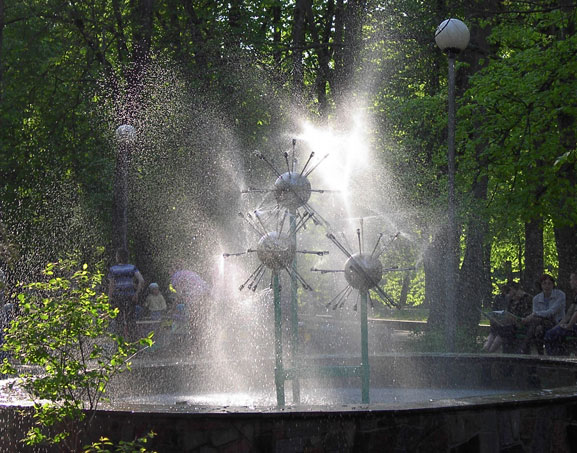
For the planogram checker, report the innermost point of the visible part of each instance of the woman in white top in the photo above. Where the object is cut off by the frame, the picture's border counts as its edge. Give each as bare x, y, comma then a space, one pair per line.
548, 310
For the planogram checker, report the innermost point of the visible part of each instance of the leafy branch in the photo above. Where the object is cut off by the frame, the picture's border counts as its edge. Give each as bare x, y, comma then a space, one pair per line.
62, 331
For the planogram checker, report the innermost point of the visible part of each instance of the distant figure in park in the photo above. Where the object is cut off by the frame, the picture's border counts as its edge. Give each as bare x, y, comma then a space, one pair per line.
192, 304
555, 337
125, 285
548, 310
155, 302
519, 303
500, 302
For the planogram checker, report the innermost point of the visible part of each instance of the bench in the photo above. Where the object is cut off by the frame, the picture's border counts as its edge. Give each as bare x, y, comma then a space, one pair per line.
416, 326
514, 346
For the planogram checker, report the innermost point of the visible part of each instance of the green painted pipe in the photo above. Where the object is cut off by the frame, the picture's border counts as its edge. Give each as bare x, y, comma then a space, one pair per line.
364, 348
294, 313
279, 375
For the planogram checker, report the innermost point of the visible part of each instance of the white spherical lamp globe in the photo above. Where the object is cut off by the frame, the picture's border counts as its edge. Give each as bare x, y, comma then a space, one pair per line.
452, 35
125, 133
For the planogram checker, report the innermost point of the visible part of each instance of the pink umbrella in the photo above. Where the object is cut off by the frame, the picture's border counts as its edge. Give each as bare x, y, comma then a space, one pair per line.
189, 283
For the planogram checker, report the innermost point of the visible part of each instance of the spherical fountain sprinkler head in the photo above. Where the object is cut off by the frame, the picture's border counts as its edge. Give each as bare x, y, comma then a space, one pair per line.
292, 190
363, 271
276, 251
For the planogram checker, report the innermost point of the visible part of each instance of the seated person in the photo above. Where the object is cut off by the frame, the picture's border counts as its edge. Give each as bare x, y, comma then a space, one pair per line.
155, 302
555, 337
520, 305
500, 302
548, 310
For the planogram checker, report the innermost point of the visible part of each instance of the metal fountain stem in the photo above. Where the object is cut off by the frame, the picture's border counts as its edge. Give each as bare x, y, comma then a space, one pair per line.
292, 191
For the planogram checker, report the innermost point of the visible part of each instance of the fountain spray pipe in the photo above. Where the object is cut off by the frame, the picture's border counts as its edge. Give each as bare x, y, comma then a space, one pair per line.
307, 162
317, 164
399, 269
377, 244
242, 216
254, 189
293, 156
362, 222
256, 280
326, 271
306, 216
260, 222
338, 244
342, 295
226, 255
293, 272
344, 299
241, 287
384, 295
391, 240
287, 162
262, 157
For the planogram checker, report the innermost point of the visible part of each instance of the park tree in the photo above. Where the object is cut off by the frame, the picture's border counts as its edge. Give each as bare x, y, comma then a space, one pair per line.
523, 95
196, 78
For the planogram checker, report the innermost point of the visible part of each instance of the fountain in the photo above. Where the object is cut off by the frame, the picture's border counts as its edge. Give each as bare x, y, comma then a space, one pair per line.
405, 401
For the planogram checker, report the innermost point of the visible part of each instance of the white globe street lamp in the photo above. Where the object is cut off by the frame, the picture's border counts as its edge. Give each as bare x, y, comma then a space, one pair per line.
452, 36
125, 134
125, 137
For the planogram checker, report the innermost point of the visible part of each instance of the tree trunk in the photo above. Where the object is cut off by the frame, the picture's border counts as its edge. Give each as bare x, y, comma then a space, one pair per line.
475, 275
298, 49
474, 286
1, 48
566, 235
405, 289
435, 279
277, 35
533, 255
199, 44
566, 242
142, 34
321, 43
348, 45
234, 23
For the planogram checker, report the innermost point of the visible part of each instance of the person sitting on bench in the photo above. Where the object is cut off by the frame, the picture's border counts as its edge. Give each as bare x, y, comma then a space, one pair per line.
519, 306
548, 310
555, 337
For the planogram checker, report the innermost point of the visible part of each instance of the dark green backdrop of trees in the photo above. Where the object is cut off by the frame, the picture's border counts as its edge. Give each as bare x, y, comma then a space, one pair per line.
203, 79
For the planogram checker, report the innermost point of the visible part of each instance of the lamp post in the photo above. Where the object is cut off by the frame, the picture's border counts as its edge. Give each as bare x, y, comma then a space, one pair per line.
452, 36
125, 135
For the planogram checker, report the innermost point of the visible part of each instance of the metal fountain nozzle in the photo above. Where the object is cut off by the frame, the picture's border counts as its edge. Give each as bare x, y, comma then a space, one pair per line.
276, 251
363, 271
292, 190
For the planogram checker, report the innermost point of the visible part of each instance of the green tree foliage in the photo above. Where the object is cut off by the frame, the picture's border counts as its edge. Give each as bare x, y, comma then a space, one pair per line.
524, 96
206, 79
62, 330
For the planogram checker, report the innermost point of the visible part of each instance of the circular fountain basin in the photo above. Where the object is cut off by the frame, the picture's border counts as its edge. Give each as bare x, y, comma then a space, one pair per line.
431, 402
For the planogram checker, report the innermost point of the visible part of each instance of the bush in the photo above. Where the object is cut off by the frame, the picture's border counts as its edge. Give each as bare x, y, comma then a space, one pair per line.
62, 329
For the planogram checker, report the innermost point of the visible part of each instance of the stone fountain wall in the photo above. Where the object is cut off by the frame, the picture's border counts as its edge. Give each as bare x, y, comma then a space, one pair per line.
538, 413
547, 425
